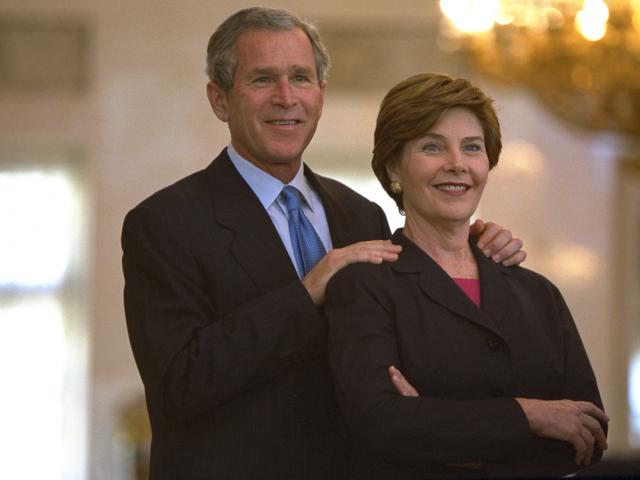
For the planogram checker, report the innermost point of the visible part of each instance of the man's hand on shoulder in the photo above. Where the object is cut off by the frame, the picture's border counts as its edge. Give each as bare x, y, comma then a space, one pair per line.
498, 243
373, 251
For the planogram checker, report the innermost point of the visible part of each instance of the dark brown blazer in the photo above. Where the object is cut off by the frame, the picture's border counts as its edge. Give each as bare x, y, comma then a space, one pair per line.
230, 347
468, 364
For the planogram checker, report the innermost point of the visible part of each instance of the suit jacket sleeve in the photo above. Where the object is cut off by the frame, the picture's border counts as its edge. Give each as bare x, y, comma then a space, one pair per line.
425, 430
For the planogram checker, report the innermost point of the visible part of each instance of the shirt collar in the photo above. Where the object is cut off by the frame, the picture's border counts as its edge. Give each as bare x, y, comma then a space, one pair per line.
266, 187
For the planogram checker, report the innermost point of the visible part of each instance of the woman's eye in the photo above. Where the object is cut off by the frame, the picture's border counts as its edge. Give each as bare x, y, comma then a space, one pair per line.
431, 147
473, 147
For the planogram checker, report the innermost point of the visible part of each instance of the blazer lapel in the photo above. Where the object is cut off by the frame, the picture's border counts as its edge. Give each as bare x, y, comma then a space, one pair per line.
339, 220
256, 245
440, 287
494, 289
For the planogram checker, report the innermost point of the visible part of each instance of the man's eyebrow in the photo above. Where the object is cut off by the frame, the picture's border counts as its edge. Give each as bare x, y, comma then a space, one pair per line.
302, 68
263, 71
276, 71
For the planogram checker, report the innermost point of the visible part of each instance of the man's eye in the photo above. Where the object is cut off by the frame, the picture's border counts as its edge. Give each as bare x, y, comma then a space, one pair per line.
301, 78
261, 80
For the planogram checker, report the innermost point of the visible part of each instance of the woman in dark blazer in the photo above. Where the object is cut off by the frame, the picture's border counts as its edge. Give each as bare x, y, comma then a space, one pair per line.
503, 385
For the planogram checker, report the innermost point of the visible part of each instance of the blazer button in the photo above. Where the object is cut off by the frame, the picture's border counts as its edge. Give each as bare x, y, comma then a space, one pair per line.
493, 344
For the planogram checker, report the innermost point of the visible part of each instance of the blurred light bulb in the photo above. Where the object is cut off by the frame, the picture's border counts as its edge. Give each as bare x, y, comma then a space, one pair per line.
471, 16
591, 21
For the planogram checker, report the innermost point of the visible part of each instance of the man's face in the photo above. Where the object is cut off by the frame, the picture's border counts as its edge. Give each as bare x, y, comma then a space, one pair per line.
276, 100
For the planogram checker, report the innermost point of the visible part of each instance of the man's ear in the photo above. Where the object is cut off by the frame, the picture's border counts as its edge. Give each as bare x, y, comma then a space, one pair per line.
218, 100
323, 89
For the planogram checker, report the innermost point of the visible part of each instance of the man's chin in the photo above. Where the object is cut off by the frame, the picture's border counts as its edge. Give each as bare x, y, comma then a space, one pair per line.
285, 156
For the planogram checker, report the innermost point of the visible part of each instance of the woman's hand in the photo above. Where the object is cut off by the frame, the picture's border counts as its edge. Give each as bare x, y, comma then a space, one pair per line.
571, 421
402, 384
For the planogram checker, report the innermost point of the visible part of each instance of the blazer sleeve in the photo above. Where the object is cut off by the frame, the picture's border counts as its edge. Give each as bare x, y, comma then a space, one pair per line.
191, 356
418, 431
579, 379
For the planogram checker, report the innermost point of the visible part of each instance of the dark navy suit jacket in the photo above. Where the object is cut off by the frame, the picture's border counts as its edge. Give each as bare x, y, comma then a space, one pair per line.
230, 347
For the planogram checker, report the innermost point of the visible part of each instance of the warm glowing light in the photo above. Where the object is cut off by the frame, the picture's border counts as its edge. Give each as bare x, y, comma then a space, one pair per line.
560, 49
521, 158
597, 9
471, 16
554, 17
504, 15
37, 218
31, 409
591, 21
573, 264
635, 5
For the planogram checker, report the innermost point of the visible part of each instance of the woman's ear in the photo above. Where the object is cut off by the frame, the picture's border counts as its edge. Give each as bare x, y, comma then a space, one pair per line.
392, 171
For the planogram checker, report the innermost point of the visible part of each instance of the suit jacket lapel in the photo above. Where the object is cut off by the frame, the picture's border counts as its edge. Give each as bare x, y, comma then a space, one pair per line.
440, 287
339, 220
256, 245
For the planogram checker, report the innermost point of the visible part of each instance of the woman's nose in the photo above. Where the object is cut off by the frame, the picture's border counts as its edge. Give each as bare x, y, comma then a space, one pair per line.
455, 161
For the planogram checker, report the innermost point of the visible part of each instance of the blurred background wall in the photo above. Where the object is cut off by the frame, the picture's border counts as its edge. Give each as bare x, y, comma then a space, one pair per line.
103, 103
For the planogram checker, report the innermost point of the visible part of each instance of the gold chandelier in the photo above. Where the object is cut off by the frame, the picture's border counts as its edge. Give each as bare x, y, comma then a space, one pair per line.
581, 57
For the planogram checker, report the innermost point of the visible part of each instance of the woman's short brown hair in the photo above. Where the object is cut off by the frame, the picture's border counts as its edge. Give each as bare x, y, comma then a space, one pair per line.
414, 106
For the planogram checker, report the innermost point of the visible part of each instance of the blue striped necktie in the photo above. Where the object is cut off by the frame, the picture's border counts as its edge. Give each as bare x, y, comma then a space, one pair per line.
307, 246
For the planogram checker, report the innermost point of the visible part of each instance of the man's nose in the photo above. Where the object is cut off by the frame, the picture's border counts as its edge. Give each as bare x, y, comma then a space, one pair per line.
284, 94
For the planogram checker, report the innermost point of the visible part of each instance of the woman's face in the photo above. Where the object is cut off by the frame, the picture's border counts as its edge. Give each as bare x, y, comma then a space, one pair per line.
443, 173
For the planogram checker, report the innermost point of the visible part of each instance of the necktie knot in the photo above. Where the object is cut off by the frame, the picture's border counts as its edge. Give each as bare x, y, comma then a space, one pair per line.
291, 198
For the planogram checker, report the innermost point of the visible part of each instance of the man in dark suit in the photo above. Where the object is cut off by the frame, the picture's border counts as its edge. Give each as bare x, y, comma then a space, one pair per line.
223, 311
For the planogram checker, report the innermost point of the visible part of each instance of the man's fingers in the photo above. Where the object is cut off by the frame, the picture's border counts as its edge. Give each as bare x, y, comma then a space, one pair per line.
498, 243
476, 227
374, 251
501, 246
487, 236
515, 259
401, 383
505, 246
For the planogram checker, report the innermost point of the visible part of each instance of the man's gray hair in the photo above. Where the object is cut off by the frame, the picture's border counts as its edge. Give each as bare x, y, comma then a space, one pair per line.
221, 51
